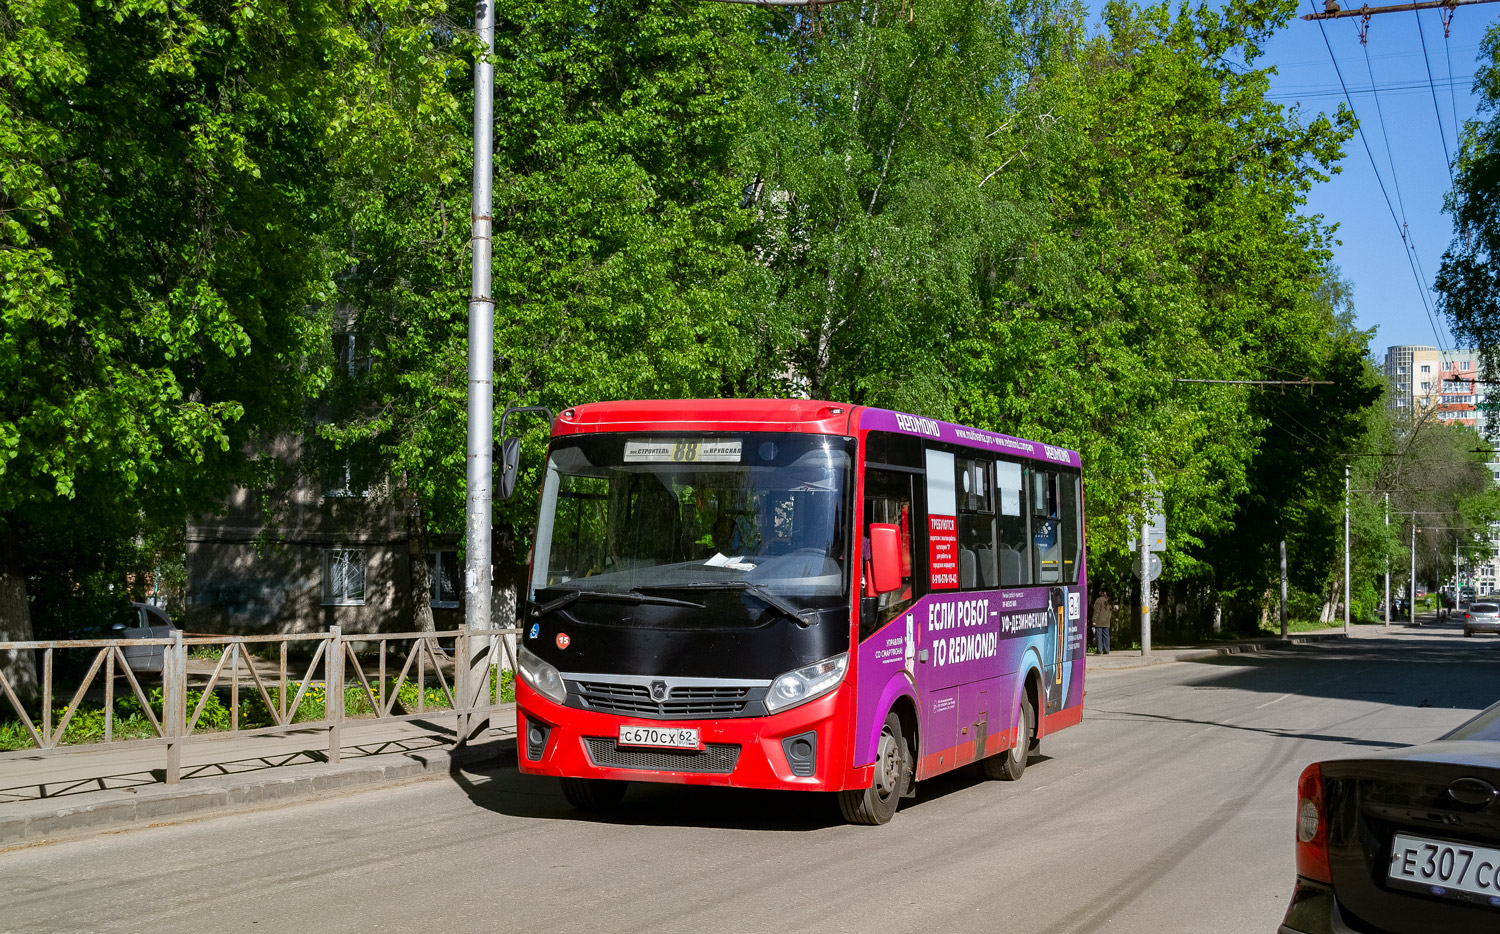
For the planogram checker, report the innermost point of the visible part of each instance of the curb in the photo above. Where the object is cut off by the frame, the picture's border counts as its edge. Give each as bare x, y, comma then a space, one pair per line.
116, 810
1232, 648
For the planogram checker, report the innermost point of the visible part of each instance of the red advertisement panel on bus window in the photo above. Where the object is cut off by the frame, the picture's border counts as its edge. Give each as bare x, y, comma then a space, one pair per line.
942, 551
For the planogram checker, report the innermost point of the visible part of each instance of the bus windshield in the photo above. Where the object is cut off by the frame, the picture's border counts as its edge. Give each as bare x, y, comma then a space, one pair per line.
629, 512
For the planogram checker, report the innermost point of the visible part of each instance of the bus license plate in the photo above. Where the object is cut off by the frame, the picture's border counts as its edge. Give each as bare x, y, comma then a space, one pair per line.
1444, 868
674, 737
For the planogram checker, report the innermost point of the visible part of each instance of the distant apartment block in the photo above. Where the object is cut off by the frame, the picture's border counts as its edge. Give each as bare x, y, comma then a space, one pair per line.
1447, 384
1443, 382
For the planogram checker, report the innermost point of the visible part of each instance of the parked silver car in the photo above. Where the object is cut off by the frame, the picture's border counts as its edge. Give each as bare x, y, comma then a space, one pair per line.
1482, 617
143, 621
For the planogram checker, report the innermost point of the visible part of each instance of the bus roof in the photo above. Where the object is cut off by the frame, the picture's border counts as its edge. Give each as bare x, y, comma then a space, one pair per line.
801, 415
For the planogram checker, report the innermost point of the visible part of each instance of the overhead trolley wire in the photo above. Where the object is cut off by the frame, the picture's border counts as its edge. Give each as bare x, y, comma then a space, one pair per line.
1438, 111
1390, 154
1400, 227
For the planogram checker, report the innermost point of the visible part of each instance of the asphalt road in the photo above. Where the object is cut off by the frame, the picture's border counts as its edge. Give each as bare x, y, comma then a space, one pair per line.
1169, 809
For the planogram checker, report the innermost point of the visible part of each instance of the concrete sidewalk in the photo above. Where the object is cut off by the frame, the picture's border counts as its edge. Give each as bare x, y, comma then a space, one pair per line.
118, 787
1160, 655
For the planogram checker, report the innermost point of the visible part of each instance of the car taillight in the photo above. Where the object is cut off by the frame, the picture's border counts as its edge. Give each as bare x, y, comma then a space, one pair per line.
1312, 826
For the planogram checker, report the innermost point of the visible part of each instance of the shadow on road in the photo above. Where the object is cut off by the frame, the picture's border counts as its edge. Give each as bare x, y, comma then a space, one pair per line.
1131, 715
498, 786
1415, 669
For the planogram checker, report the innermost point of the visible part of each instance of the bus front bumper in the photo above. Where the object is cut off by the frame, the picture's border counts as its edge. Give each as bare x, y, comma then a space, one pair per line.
749, 752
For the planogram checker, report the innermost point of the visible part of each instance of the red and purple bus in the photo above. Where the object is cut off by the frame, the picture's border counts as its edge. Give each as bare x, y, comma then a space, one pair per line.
796, 595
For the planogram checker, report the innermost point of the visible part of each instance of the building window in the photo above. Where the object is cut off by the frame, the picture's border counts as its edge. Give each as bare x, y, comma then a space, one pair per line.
351, 354
1426, 368
446, 573
344, 577
1427, 387
346, 476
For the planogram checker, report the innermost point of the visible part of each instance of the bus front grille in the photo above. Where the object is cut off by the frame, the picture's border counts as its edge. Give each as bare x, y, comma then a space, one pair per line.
684, 702
715, 758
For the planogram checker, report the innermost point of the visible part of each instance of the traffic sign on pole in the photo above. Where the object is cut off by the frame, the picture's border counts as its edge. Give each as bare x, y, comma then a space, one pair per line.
1154, 569
1156, 532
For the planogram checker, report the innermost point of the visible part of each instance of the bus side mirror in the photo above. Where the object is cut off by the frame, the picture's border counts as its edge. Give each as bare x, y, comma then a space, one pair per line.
510, 465
508, 450
885, 556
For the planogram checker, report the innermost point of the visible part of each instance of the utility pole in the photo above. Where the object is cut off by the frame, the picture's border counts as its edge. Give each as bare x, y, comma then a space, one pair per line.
1283, 589
1411, 612
1457, 587
478, 570
1146, 582
1346, 550
1388, 560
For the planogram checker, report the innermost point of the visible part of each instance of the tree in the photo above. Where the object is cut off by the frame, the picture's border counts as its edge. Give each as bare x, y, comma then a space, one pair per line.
167, 247
1175, 250
884, 209
1468, 280
617, 265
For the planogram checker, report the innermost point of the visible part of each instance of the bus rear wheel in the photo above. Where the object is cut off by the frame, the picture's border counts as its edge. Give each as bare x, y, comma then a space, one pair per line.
593, 794
893, 772
1009, 764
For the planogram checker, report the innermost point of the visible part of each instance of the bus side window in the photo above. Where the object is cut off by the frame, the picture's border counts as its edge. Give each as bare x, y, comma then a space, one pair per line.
1012, 549
887, 500
1072, 527
1046, 529
978, 565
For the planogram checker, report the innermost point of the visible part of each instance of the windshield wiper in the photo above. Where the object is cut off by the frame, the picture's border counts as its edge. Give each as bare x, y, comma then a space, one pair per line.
618, 596
776, 602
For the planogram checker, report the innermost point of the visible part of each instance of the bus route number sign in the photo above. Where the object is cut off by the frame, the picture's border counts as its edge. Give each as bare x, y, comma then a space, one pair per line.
683, 451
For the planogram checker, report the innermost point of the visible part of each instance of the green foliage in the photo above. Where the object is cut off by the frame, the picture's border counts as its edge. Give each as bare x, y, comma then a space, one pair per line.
967, 209
616, 267
1468, 280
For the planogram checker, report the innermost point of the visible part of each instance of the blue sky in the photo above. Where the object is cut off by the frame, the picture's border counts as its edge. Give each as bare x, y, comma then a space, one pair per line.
1407, 149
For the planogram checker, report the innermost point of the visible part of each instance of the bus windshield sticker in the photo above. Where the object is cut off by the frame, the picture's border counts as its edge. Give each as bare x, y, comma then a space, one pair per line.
1008, 481
683, 451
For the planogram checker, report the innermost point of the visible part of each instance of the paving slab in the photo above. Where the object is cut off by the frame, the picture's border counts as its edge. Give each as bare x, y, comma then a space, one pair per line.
119, 787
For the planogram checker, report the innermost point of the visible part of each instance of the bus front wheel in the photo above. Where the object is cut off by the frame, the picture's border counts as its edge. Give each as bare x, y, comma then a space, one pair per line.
1009, 764
893, 769
593, 794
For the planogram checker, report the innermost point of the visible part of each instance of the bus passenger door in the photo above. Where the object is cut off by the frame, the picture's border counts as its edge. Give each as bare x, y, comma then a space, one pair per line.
888, 633
887, 501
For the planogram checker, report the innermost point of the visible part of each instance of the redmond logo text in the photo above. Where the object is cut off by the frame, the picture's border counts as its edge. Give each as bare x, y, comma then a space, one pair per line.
922, 426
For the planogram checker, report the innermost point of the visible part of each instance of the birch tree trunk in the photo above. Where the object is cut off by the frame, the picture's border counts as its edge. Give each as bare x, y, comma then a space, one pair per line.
421, 571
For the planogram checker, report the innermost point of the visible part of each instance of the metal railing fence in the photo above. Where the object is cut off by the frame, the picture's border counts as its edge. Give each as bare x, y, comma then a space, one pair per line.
463, 666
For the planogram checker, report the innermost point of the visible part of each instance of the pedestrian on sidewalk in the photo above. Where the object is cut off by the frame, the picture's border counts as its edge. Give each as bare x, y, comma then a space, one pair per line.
1101, 617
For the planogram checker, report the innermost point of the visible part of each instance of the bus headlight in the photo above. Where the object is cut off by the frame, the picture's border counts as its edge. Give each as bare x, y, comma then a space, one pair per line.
540, 676
804, 684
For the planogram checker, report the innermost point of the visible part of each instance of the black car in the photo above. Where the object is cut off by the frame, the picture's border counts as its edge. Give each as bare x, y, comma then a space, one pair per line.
1402, 842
